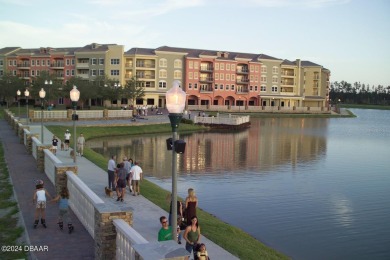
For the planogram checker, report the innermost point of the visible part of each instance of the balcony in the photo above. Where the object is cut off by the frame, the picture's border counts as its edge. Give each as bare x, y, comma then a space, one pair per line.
242, 81
287, 73
206, 68
24, 65
145, 64
83, 76
287, 83
206, 89
128, 76
242, 71
82, 65
128, 64
142, 76
57, 65
242, 91
206, 79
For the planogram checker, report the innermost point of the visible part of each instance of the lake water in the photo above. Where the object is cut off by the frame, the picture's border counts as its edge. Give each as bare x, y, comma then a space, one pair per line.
310, 188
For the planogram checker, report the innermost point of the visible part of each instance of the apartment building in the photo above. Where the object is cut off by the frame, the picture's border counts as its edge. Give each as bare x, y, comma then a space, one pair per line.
209, 77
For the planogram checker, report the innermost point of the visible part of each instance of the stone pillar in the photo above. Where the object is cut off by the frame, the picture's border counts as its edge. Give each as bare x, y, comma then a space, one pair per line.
69, 114
105, 231
105, 114
41, 156
61, 180
21, 132
29, 142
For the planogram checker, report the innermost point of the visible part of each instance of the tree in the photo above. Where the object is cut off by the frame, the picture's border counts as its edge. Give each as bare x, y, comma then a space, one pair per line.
53, 91
134, 89
9, 85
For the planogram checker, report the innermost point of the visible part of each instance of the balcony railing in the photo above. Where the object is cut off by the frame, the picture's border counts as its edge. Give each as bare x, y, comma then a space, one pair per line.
206, 79
242, 81
57, 65
206, 89
242, 71
145, 65
288, 73
242, 91
128, 64
145, 76
24, 65
82, 65
206, 68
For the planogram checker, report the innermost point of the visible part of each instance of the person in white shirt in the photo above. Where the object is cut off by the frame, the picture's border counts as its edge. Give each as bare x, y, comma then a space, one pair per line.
67, 136
136, 176
111, 172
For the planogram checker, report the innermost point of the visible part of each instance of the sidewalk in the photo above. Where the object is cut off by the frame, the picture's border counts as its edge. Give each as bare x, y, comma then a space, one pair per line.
23, 171
146, 214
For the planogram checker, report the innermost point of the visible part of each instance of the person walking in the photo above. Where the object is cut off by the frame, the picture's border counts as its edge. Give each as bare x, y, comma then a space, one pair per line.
54, 143
136, 176
67, 136
192, 236
80, 144
121, 182
128, 164
111, 172
39, 199
63, 202
191, 205
165, 232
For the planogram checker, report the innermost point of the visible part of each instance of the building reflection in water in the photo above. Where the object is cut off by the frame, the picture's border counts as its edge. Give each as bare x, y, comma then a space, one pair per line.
269, 143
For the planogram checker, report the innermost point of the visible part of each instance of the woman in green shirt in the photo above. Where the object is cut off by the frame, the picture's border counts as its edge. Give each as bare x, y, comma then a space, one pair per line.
192, 235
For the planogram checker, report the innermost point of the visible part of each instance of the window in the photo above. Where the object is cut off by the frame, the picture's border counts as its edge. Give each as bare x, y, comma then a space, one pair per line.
114, 72
233, 77
221, 86
252, 69
217, 76
162, 73
1, 62
1, 73
177, 74
256, 68
264, 79
114, 62
232, 88
227, 66
189, 85
251, 88
263, 69
217, 66
251, 78
72, 72
256, 88
233, 67
222, 77
101, 61
93, 72
190, 75
227, 76
216, 86
275, 70
162, 63
256, 78
67, 73
14, 62
177, 64
43, 63
148, 84
48, 63
222, 66
67, 62
93, 61
196, 86
33, 73
73, 61
227, 87
263, 88
195, 75
196, 65
32, 62
275, 79
274, 88
191, 64
38, 62
14, 72
10, 63
101, 72
162, 84
38, 72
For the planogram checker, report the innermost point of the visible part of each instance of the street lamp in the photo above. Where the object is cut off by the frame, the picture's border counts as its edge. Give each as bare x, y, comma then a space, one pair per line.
74, 96
176, 99
48, 83
18, 93
42, 94
26, 94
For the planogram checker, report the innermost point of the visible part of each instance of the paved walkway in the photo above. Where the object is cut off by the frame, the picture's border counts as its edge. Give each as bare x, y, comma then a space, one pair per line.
146, 214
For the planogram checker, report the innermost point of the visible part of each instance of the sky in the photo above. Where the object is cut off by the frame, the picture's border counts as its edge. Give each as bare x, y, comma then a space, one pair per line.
351, 38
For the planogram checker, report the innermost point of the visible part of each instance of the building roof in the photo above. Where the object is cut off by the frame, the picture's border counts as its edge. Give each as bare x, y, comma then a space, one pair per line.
306, 63
95, 47
267, 57
287, 62
141, 51
7, 50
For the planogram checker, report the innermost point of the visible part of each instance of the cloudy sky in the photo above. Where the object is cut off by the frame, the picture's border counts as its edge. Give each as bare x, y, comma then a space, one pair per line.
349, 37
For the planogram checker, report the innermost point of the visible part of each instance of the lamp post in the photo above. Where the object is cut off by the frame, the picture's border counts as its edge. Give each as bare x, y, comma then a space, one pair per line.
18, 93
338, 105
176, 98
26, 94
48, 83
42, 94
74, 96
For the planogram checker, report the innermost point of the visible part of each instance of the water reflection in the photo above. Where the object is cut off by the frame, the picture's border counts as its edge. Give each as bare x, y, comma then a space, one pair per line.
268, 144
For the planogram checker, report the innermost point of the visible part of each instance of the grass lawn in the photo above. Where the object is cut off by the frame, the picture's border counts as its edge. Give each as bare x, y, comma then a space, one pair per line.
229, 237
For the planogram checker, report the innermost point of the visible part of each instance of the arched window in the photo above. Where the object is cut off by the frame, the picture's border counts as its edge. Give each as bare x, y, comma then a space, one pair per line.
177, 64
163, 63
177, 74
162, 73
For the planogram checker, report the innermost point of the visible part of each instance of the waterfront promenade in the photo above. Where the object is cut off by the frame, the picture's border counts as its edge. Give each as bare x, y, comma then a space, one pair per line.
145, 214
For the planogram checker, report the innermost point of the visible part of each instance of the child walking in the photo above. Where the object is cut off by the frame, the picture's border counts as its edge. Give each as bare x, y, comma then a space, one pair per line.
63, 201
40, 199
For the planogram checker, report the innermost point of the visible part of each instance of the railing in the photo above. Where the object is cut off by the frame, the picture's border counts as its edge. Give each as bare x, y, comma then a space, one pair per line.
245, 71
90, 114
82, 202
50, 114
120, 113
144, 65
50, 165
206, 79
126, 236
231, 120
206, 68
